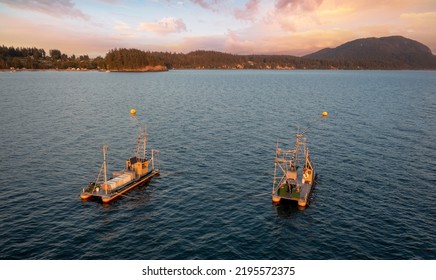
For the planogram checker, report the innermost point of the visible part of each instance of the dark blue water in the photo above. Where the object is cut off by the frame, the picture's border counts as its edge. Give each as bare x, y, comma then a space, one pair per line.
217, 131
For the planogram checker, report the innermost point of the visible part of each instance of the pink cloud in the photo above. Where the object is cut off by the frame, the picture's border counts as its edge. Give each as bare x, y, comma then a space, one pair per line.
291, 5
208, 5
111, 1
164, 26
236, 44
250, 11
294, 15
56, 8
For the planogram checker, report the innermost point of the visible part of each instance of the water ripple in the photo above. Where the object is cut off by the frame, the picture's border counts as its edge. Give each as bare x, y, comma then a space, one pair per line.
217, 132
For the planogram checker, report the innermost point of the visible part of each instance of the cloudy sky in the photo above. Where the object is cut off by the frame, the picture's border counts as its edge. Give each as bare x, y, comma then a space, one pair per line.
295, 27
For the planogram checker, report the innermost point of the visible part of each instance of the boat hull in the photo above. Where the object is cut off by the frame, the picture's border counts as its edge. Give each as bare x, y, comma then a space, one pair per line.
108, 197
85, 195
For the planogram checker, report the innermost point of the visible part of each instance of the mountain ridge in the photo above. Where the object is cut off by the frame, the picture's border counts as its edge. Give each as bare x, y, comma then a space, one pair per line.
384, 52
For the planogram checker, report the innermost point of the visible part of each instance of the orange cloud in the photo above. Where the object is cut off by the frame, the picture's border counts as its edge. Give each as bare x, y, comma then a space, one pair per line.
262, 40
419, 26
426, 20
307, 42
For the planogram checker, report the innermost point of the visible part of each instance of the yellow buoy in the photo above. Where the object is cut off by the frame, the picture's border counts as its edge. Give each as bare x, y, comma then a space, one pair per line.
325, 114
132, 112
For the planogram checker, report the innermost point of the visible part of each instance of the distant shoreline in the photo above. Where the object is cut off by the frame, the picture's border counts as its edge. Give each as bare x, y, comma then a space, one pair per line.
202, 69
82, 70
385, 53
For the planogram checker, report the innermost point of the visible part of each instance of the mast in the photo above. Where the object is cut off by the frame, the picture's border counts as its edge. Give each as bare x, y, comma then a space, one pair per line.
104, 162
142, 138
300, 141
297, 145
275, 166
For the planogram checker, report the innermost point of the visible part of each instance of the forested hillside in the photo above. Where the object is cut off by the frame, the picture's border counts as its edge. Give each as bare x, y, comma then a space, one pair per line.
394, 52
125, 59
34, 58
137, 60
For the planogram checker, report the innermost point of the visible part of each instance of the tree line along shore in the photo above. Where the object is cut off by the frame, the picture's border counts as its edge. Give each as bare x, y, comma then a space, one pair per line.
134, 60
137, 60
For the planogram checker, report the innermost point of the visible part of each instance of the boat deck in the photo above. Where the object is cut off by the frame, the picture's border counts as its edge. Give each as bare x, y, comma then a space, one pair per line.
105, 196
302, 197
305, 189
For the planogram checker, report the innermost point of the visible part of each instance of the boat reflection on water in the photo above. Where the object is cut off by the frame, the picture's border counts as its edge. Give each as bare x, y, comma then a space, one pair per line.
286, 210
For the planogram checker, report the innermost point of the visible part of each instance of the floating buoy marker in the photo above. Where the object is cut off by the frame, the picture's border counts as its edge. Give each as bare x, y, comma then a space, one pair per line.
132, 112
324, 114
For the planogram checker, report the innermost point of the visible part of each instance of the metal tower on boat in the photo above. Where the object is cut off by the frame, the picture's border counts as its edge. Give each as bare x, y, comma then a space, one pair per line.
291, 166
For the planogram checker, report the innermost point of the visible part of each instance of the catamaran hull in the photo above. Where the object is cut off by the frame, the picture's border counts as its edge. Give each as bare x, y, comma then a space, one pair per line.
302, 197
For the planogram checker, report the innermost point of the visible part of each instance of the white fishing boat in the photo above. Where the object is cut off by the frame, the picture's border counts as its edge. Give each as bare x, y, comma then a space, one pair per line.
139, 169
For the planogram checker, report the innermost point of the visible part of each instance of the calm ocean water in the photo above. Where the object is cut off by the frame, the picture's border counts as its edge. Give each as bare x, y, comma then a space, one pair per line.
217, 131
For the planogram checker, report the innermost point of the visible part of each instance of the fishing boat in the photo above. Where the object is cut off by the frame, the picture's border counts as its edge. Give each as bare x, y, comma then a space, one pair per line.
138, 170
294, 173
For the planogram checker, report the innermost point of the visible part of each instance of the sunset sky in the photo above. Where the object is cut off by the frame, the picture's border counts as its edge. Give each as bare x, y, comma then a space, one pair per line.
295, 27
